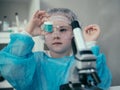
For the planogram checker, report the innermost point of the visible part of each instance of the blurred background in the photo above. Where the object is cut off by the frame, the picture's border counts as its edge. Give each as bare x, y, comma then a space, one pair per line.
105, 13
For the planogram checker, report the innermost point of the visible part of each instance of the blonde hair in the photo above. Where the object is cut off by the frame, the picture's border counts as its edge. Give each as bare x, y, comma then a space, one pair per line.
63, 11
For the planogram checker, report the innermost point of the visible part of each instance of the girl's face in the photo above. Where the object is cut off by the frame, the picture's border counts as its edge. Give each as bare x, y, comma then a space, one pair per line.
59, 41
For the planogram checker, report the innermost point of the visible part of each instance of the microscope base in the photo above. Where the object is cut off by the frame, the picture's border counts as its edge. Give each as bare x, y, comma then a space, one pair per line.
77, 86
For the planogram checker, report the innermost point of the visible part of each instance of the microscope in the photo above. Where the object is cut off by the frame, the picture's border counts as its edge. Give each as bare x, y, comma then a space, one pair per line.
83, 73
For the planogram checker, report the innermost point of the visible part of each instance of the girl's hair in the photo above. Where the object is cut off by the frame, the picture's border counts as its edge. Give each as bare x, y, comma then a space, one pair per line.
63, 11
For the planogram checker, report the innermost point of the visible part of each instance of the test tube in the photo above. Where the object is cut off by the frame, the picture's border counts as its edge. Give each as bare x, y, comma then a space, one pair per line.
48, 26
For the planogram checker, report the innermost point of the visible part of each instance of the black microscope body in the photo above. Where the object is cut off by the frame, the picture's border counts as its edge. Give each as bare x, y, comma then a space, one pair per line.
85, 64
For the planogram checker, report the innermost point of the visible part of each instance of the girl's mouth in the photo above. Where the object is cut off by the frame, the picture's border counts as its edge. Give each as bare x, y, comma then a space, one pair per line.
57, 43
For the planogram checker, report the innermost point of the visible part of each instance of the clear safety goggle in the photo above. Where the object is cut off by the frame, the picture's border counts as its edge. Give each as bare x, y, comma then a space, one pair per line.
49, 27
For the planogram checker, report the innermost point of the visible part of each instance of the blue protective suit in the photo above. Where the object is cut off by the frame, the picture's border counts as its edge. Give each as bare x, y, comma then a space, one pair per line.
26, 70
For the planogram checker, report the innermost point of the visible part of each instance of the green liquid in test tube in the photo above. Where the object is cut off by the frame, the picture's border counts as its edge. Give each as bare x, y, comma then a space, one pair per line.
48, 26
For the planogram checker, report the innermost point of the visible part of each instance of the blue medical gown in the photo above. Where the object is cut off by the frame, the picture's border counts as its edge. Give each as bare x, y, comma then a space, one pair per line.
27, 70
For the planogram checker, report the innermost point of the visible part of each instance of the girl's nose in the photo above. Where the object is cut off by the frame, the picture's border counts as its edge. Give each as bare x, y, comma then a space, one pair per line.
55, 33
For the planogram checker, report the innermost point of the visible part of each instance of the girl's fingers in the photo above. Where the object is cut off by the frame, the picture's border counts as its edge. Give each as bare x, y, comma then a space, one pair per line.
91, 32
92, 28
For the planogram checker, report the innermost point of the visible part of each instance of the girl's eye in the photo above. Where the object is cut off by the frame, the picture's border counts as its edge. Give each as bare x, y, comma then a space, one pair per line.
63, 30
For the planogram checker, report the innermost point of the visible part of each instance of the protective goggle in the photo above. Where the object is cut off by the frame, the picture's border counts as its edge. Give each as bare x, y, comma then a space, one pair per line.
48, 27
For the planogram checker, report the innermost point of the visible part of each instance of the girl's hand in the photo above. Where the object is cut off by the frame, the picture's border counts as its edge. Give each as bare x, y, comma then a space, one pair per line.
34, 25
91, 32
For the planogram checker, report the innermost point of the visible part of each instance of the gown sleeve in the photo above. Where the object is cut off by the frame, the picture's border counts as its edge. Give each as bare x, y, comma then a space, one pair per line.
17, 62
102, 69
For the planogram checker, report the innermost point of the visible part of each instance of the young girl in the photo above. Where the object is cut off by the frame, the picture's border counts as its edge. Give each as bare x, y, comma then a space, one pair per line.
27, 70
